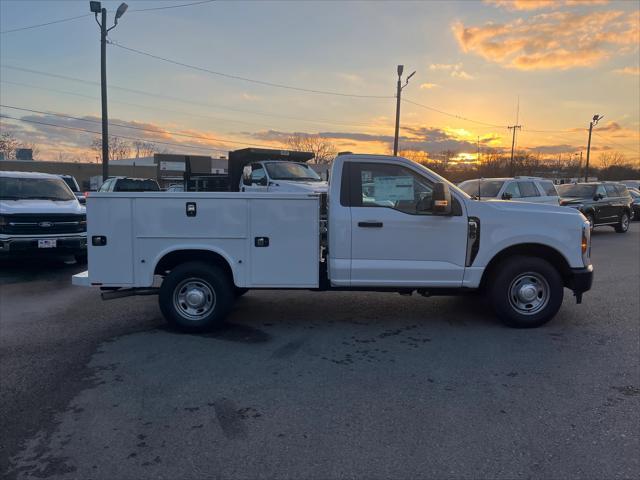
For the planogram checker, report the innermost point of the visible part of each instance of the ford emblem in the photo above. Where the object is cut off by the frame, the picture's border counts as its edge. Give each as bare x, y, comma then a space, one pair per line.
45, 224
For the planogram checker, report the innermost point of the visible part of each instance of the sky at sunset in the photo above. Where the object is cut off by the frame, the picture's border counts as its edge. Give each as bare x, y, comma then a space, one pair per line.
565, 61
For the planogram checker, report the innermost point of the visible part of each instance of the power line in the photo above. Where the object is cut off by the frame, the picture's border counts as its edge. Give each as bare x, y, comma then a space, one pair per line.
121, 136
45, 24
616, 144
191, 102
137, 105
53, 22
246, 79
134, 127
172, 6
459, 117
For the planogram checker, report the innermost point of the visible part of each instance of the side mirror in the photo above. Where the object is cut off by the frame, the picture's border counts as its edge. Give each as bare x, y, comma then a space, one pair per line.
441, 199
246, 176
598, 196
507, 196
264, 181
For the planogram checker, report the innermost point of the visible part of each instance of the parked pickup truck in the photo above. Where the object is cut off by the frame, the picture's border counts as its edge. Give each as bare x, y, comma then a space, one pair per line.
392, 225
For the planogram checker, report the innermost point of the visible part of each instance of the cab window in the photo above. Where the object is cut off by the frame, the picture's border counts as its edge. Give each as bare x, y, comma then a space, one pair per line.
257, 173
513, 190
528, 189
390, 186
549, 189
611, 190
601, 191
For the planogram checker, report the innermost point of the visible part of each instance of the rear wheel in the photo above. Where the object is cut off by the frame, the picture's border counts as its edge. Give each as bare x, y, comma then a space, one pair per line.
623, 225
196, 296
526, 292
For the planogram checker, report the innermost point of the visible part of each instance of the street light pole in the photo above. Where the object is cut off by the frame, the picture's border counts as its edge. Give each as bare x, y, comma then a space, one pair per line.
398, 94
593, 123
103, 88
96, 8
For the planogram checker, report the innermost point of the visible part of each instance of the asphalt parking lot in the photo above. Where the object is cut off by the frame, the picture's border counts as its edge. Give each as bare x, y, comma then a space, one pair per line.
320, 385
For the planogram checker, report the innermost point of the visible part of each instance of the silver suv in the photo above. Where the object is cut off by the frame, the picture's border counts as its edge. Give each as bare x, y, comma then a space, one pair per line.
523, 189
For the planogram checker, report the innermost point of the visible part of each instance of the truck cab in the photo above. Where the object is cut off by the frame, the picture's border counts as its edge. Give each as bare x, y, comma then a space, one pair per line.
281, 176
390, 225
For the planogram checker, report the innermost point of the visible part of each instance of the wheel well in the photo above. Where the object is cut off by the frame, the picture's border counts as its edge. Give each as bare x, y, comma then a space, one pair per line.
177, 257
530, 250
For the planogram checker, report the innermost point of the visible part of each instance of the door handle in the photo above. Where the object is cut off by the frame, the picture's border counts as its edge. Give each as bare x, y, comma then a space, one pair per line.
370, 224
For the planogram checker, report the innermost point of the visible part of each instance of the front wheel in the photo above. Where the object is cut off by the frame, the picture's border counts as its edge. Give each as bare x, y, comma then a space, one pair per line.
526, 292
196, 296
623, 225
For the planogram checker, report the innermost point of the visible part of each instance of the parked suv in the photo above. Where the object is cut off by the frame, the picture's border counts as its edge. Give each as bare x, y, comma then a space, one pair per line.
40, 214
127, 184
524, 189
73, 185
603, 203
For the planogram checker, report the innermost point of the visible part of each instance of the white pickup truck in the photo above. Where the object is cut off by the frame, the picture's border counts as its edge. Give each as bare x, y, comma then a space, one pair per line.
391, 225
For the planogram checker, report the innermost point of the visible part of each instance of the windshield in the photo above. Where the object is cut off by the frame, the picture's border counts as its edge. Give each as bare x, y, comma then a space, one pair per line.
72, 183
136, 185
291, 171
55, 189
575, 190
488, 188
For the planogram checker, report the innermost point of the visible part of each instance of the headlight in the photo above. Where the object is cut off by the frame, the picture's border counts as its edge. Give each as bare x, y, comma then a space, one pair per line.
586, 243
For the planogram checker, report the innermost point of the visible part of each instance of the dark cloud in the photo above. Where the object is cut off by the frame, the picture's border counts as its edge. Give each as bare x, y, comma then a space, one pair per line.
428, 139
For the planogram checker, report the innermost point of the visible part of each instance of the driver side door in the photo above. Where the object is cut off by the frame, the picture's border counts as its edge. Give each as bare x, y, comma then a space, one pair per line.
395, 238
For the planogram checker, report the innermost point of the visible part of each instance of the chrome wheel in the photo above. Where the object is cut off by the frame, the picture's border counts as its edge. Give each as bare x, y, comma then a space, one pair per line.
624, 222
194, 299
529, 293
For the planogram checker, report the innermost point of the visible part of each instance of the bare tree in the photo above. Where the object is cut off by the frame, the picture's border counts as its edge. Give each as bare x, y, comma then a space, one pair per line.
323, 150
612, 159
418, 156
118, 148
144, 149
8, 145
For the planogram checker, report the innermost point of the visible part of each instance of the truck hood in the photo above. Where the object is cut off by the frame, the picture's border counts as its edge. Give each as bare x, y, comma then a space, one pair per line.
510, 208
8, 207
296, 186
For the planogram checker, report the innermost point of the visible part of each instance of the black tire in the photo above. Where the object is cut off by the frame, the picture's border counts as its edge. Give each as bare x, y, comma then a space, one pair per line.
240, 291
530, 273
623, 225
206, 283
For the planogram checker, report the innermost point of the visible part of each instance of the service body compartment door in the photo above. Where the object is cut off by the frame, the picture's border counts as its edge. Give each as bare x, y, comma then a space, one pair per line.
110, 218
284, 243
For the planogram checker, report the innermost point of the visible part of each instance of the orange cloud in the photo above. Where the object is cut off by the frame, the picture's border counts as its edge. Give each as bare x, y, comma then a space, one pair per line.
556, 40
540, 4
428, 86
628, 71
455, 70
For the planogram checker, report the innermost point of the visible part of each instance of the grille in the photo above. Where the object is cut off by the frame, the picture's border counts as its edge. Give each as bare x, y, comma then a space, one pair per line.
43, 224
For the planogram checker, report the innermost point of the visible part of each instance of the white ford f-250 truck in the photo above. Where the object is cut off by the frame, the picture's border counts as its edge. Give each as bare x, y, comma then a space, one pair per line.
391, 225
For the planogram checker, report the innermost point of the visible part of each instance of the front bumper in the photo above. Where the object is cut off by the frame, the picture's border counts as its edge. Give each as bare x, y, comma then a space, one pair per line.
580, 281
29, 245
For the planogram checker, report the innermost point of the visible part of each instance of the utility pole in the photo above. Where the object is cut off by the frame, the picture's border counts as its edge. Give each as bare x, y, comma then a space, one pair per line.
398, 94
103, 95
96, 7
513, 144
594, 121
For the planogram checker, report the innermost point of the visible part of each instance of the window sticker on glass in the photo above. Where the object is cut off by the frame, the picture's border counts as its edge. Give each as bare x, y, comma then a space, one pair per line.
393, 188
